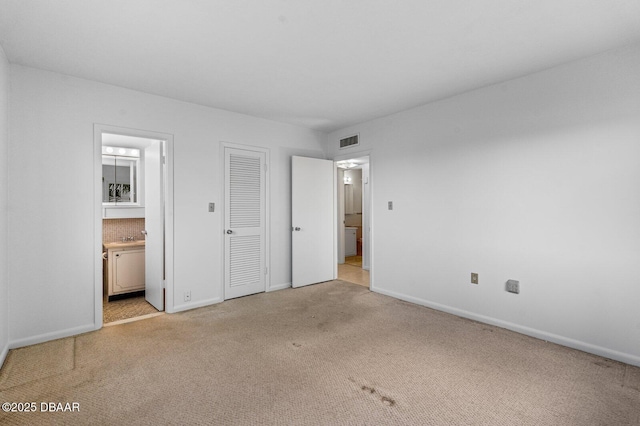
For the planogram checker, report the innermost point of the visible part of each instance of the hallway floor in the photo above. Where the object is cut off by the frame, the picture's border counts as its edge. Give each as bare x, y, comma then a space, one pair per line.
353, 274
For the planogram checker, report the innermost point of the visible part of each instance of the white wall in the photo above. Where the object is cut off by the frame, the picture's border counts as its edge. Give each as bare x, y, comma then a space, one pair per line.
51, 220
4, 134
536, 179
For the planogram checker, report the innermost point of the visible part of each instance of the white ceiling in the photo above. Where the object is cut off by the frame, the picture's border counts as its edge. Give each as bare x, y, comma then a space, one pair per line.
318, 64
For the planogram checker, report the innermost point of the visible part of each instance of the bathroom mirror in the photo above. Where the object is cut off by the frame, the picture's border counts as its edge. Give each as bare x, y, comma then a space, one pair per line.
120, 168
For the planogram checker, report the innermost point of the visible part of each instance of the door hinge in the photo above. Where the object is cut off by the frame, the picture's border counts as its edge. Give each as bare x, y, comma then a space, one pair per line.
164, 283
266, 270
164, 160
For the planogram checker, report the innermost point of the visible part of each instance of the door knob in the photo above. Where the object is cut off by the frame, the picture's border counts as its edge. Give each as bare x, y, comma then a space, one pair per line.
144, 232
229, 231
297, 228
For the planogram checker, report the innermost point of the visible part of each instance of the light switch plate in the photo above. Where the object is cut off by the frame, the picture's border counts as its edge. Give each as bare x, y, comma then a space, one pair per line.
474, 278
212, 207
390, 205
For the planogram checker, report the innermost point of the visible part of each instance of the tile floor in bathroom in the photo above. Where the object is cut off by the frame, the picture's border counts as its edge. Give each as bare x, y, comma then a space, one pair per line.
118, 310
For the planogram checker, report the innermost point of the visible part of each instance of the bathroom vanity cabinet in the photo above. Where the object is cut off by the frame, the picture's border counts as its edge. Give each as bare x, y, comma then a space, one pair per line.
350, 244
124, 269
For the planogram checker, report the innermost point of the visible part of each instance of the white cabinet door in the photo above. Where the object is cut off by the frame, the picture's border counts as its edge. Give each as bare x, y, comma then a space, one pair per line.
128, 271
350, 244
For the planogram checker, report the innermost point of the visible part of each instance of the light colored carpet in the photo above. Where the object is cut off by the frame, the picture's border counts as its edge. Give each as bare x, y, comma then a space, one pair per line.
43, 361
332, 353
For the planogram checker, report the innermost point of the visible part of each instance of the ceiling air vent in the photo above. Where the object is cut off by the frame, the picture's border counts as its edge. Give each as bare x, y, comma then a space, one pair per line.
349, 141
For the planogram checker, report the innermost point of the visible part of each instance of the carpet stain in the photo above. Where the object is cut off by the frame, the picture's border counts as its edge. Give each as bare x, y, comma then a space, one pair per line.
297, 345
368, 389
388, 401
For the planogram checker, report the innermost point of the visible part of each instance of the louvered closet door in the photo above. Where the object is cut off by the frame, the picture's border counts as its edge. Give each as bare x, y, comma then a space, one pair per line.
245, 265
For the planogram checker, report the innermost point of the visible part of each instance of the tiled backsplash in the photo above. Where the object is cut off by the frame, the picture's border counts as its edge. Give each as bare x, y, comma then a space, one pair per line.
114, 229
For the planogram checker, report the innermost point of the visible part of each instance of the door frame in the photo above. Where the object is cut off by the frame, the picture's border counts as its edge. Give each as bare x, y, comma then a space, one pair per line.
267, 219
98, 130
368, 206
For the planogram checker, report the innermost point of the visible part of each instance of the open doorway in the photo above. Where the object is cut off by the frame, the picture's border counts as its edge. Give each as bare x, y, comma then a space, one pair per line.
133, 188
353, 220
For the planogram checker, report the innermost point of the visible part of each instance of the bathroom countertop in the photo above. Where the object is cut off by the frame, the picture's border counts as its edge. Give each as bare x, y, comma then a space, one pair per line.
121, 244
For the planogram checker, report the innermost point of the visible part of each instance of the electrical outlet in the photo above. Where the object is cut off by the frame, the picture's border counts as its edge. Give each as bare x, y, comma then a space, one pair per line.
187, 296
513, 286
474, 278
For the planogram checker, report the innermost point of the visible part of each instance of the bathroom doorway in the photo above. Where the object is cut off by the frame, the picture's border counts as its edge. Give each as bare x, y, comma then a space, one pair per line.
354, 224
133, 169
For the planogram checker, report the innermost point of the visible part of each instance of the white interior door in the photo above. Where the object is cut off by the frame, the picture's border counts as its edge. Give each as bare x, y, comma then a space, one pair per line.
366, 218
340, 188
312, 215
154, 224
245, 222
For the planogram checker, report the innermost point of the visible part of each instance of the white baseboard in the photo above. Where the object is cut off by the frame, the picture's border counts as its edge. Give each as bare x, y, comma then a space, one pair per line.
3, 354
187, 306
41, 338
279, 287
539, 334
